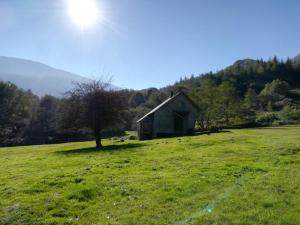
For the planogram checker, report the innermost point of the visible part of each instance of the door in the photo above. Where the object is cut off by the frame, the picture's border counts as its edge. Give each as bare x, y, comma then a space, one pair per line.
178, 124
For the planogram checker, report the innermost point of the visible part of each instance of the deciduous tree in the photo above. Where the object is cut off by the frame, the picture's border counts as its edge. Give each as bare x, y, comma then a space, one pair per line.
96, 105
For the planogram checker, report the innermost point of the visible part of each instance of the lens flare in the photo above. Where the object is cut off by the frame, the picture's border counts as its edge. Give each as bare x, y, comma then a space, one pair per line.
84, 13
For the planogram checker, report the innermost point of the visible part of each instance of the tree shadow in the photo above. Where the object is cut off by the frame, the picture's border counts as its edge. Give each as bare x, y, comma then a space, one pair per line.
210, 132
113, 147
197, 133
272, 128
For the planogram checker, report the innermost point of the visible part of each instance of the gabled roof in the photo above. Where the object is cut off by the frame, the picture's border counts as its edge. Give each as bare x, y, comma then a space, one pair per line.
165, 103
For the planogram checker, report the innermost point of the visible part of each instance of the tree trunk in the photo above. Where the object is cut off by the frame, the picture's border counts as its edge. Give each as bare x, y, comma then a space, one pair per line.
98, 140
202, 124
208, 121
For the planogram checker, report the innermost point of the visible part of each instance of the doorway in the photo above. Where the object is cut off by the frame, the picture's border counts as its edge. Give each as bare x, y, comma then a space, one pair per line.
179, 119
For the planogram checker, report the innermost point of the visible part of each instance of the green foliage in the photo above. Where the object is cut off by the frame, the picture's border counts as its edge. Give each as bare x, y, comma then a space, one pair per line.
275, 89
229, 102
247, 176
98, 107
274, 92
154, 99
206, 96
234, 96
251, 100
16, 111
136, 99
230, 97
267, 118
44, 123
286, 116
290, 115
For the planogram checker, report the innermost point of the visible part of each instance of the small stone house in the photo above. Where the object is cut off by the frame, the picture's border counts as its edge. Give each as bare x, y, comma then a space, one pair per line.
176, 116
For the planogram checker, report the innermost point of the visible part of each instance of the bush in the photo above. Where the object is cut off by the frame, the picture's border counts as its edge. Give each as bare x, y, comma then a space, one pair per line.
277, 123
286, 116
267, 118
290, 115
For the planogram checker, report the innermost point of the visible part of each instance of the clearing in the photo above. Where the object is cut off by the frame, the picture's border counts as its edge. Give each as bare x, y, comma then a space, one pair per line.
249, 176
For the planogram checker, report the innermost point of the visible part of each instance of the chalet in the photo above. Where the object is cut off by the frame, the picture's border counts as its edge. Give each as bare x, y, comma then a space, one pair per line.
176, 116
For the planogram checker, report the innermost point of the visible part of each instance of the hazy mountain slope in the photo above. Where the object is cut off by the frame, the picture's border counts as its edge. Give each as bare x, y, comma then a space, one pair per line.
39, 78
297, 59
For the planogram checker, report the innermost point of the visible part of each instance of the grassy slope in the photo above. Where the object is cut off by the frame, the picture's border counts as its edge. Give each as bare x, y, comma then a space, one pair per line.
249, 176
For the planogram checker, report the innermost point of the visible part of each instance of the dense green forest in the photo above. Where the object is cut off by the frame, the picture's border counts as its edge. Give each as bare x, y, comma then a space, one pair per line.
248, 93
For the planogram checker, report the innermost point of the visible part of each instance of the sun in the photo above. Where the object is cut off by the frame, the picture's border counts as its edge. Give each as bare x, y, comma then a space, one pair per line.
84, 13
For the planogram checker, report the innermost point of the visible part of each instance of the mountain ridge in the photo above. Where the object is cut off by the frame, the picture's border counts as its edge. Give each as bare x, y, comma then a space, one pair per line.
43, 79
40, 78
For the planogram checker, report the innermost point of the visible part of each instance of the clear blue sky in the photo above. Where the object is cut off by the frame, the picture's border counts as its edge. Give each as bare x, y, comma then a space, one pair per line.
144, 43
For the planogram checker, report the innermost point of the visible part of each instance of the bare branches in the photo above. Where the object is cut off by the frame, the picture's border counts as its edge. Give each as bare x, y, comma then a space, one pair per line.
99, 104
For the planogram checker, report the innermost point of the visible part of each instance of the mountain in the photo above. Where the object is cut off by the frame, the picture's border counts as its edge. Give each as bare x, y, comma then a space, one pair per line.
244, 63
39, 78
297, 59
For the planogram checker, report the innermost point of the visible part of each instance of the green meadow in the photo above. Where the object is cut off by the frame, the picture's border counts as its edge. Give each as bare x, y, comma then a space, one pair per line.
247, 176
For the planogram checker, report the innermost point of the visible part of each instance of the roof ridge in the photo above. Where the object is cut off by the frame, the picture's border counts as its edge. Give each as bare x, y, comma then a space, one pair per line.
160, 105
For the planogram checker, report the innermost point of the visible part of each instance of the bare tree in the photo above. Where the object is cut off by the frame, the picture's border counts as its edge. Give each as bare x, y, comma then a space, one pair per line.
96, 105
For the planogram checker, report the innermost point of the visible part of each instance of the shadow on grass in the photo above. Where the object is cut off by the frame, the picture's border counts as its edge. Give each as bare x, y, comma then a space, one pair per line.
120, 147
197, 133
274, 128
210, 132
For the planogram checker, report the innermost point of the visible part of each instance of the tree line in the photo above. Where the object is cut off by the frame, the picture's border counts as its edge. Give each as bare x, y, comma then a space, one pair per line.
86, 112
248, 93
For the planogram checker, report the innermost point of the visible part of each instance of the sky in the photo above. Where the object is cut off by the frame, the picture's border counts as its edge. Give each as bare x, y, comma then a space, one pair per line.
150, 43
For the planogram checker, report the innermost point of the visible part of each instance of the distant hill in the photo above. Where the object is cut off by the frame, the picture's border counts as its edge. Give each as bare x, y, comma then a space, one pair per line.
39, 78
245, 62
297, 59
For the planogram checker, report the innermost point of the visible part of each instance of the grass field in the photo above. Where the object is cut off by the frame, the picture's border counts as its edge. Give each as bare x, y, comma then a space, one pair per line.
249, 176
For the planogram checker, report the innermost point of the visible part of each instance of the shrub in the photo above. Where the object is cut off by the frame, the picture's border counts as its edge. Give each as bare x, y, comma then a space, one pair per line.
267, 118
286, 116
290, 115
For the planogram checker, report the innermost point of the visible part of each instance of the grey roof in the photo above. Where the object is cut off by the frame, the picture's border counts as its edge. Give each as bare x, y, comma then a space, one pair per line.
163, 104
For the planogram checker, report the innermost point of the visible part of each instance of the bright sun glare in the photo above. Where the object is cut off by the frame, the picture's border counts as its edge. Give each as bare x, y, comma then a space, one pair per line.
84, 13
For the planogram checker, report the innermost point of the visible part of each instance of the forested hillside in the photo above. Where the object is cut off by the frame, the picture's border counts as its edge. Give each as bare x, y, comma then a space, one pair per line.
248, 93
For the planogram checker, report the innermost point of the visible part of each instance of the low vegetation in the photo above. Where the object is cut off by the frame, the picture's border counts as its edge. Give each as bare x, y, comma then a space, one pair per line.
248, 176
